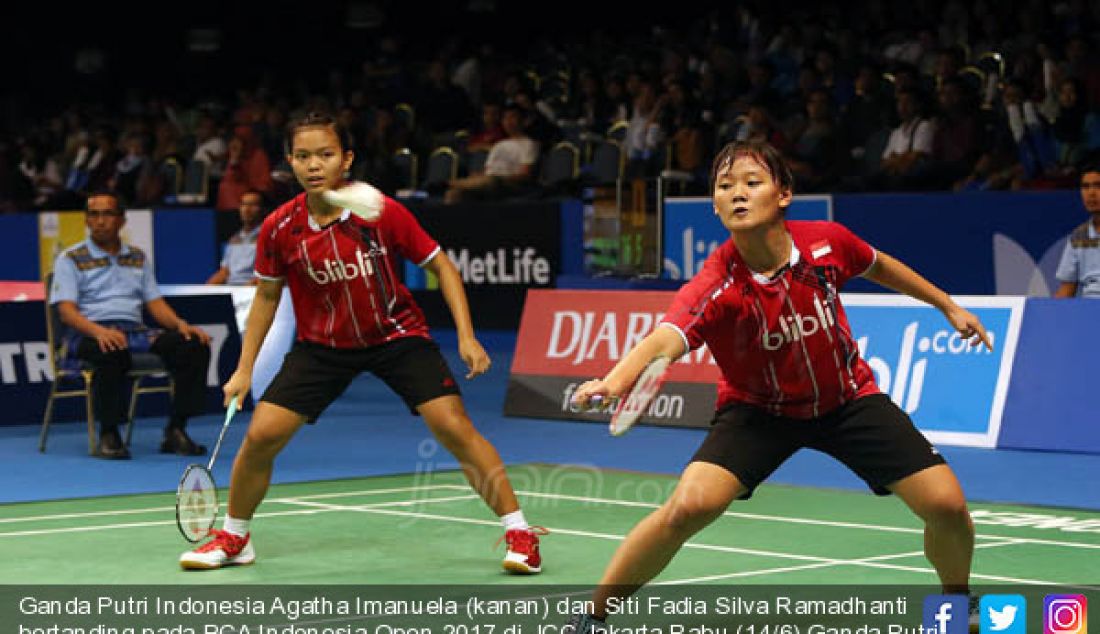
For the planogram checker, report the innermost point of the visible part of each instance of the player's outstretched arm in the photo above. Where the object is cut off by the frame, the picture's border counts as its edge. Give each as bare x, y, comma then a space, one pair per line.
454, 293
893, 274
662, 341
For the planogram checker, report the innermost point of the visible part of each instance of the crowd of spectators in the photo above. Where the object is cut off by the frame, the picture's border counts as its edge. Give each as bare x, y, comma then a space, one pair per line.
859, 96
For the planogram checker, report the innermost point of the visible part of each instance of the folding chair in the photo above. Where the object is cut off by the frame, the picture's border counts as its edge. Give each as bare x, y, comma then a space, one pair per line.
607, 163
561, 167
442, 169
405, 163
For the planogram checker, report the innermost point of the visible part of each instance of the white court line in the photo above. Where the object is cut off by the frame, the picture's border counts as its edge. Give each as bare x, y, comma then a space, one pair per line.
382, 508
813, 522
823, 564
537, 494
172, 509
825, 561
312, 511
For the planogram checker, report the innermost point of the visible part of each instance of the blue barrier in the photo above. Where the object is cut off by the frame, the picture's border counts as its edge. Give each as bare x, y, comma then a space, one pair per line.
185, 248
976, 243
1054, 379
19, 257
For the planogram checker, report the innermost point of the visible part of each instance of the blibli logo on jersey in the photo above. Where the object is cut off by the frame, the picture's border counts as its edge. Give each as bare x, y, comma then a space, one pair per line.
336, 270
796, 327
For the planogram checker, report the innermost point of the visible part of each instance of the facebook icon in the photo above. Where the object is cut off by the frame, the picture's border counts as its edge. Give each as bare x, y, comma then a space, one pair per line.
945, 614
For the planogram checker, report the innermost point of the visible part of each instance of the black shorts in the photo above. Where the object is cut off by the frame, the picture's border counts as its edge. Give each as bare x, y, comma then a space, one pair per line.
313, 376
870, 435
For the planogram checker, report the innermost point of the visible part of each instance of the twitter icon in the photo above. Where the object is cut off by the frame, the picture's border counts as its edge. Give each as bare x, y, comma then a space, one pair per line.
1004, 614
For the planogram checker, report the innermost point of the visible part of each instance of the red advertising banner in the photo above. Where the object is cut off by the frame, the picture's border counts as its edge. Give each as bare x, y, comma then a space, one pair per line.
567, 337
21, 291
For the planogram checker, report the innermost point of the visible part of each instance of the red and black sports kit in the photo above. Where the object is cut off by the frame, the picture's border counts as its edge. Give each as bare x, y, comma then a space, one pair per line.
353, 313
791, 374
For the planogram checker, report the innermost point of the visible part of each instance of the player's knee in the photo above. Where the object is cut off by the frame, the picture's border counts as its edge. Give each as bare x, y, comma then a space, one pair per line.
689, 516
947, 510
263, 441
454, 431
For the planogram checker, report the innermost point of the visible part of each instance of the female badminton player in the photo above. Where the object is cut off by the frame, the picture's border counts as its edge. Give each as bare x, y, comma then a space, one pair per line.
766, 305
353, 315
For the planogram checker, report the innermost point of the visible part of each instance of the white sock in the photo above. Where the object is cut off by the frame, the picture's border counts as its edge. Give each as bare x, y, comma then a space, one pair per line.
235, 526
514, 521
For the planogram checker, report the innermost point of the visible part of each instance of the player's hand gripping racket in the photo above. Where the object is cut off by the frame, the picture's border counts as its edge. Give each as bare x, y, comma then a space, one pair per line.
197, 495
629, 407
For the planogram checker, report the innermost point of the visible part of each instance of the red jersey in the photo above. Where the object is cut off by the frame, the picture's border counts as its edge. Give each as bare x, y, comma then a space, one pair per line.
782, 343
342, 277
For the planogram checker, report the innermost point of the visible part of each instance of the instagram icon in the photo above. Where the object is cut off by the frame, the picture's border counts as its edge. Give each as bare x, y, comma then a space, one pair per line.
1065, 614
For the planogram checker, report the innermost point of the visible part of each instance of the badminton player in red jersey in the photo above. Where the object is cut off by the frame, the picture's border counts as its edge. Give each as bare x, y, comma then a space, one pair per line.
353, 315
766, 305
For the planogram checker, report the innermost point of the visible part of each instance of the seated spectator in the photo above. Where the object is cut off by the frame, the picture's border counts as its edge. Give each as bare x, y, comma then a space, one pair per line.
817, 157
590, 106
1068, 124
956, 142
909, 146
94, 164
645, 133
490, 130
536, 124
41, 173
246, 168
100, 286
508, 168
1079, 269
210, 147
375, 163
440, 105
867, 112
239, 260
759, 126
689, 133
136, 178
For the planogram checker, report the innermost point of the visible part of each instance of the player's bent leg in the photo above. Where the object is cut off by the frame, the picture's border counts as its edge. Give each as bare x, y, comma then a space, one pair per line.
935, 495
271, 428
447, 419
703, 493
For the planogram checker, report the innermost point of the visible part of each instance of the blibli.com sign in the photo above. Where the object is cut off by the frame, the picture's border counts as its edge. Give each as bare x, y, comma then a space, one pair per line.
692, 231
955, 393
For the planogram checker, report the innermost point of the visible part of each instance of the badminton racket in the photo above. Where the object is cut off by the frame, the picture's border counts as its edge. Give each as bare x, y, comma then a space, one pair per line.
626, 409
197, 495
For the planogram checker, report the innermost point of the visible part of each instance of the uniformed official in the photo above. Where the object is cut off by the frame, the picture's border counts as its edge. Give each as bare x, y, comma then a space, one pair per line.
100, 286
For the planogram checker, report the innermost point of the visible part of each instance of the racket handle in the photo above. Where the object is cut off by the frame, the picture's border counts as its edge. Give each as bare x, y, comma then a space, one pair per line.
596, 403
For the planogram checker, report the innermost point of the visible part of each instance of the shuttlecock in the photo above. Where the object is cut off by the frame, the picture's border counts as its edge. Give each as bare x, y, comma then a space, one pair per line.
359, 198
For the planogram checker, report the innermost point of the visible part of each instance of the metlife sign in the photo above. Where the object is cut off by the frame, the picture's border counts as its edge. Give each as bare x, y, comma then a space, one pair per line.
499, 250
954, 393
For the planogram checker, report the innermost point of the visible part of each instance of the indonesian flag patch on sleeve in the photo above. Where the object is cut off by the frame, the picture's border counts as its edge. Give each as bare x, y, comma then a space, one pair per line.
820, 249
